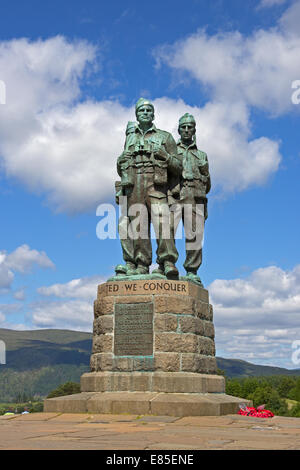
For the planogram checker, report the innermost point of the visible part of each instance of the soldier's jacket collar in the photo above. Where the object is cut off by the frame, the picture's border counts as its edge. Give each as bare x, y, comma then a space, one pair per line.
193, 146
139, 130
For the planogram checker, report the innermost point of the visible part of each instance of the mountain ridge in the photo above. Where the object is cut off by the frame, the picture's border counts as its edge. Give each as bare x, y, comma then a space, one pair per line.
33, 349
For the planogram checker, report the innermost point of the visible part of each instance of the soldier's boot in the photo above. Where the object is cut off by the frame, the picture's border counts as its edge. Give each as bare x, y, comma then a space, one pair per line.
192, 276
125, 269
159, 270
120, 270
142, 269
170, 270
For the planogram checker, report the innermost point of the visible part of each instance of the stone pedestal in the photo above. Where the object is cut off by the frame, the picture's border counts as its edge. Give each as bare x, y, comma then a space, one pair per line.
153, 353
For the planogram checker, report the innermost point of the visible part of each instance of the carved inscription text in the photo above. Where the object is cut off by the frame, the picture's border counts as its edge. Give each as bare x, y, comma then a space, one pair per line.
133, 333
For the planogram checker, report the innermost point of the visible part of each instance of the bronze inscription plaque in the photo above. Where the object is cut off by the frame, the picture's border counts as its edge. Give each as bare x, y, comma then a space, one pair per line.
133, 333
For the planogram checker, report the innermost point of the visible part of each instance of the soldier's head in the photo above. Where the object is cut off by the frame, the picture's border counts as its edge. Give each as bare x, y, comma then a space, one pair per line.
144, 111
187, 128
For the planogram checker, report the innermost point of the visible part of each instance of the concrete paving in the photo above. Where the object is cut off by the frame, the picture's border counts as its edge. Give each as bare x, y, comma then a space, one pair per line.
83, 431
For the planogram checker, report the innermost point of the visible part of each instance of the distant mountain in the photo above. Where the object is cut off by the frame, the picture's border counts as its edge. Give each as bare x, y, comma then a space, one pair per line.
35, 349
239, 368
38, 361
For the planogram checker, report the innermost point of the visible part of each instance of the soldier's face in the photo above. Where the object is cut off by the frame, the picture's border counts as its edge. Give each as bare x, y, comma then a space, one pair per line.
145, 114
187, 131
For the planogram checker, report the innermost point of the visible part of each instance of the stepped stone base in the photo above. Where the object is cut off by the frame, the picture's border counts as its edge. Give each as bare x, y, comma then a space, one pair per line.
146, 403
167, 382
153, 353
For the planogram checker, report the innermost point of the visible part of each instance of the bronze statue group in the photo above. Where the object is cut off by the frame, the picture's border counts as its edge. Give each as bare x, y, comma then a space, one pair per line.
161, 183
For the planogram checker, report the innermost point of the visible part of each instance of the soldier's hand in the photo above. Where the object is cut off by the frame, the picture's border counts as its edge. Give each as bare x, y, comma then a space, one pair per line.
124, 157
161, 154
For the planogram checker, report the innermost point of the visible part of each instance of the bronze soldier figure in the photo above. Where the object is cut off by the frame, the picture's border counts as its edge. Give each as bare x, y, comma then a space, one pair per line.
146, 166
126, 242
194, 185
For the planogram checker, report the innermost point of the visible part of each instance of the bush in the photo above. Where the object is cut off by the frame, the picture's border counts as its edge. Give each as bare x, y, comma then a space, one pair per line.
3, 409
37, 407
294, 393
234, 388
284, 386
250, 385
69, 388
32, 407
269, 397
295, 411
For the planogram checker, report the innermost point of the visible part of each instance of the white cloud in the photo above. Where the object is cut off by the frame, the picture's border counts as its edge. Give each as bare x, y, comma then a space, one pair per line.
22, 260
270, 3
66, 149
290, 20
256, 70
84, 288
258, 318
6, 277
19, 294
277, 333
39, 140
74, 315
7, 309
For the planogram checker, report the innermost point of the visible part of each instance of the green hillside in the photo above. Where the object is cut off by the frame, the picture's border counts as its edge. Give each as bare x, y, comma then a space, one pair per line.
15, 339
39, 348
33, 349
37, 361
239, 368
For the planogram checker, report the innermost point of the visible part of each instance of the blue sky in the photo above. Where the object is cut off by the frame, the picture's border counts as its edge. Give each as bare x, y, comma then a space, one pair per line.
73, 72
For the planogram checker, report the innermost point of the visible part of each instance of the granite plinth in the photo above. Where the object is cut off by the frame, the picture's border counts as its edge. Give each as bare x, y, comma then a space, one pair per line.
153, 325
167, 382
146, 403
153, 353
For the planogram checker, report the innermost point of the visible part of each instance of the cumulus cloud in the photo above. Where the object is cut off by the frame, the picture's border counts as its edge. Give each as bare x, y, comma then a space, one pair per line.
84, 288
66, 148
21, 260
289, 22
6, 277
19, 294
39, 126
256, 70
7, 309
258, 318
74, 315
73, 311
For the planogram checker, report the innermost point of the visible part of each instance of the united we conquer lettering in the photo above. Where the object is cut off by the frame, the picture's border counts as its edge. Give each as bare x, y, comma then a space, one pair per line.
139, 287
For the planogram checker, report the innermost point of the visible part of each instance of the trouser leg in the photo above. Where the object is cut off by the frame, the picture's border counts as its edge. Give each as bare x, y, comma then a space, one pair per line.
126, 242
193, 219
164, 231
143, 251
139, 231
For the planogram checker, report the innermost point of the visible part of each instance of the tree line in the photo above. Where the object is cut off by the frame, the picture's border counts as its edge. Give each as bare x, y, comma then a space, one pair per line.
280, 393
